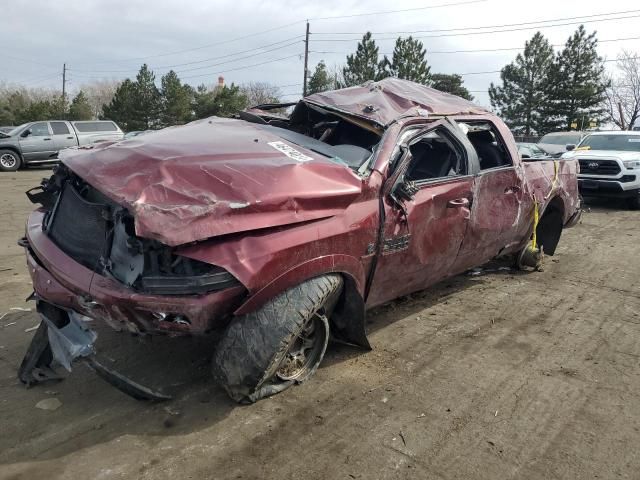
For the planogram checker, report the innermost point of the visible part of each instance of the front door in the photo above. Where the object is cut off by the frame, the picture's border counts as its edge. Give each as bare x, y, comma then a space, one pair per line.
37, 143
427, 211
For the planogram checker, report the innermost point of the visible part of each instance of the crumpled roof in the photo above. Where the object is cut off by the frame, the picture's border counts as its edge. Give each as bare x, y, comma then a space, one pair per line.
387, 100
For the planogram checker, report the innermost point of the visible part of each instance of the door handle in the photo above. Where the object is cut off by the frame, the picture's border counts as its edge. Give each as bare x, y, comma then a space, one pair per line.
458, 203
69, 138
46, 139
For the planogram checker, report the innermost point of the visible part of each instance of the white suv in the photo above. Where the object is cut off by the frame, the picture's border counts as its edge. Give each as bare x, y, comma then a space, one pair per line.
609, 165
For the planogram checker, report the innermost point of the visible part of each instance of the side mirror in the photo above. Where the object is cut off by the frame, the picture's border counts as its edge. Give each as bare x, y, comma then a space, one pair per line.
26, 133
571, 147
525, 156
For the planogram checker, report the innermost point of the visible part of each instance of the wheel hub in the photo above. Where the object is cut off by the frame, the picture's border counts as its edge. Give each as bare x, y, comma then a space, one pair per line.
305, 352
8, 161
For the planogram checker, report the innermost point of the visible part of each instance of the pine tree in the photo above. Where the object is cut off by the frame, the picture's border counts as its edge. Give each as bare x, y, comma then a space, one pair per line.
221, 102
176, 100
578, 80
523, 99
320, 81
80, 108
120, 109
363, 65
450, 83
146, 100
409, 61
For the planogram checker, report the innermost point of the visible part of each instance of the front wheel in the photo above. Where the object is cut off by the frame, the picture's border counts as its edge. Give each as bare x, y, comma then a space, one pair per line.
9, 161
282, 343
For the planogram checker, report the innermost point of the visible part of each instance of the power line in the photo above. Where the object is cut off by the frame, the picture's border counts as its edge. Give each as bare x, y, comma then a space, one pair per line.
482, 50
212, 65
243, 67
40, 79
464, 34
297, 37
624, 12
387, 12
281, 27
223, 42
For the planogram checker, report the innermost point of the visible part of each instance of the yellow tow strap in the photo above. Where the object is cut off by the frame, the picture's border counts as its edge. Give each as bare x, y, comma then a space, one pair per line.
534, 239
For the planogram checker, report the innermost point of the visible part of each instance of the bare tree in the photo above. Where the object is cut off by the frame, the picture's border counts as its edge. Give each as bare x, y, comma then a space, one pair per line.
100, 93
260, 92
623, 96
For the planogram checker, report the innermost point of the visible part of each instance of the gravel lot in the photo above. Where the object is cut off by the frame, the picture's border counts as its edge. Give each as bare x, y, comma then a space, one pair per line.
495, 376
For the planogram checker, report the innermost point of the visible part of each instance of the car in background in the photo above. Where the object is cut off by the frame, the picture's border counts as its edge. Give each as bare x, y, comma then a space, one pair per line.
609, 165
531, 150
555, 144
6, 129
36, 143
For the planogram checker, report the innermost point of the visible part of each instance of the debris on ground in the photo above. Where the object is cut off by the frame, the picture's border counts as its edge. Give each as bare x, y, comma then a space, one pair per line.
49, 404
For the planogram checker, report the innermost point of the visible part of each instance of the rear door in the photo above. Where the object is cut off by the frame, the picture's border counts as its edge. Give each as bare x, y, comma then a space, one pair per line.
63, 136
426, 221
37, 143
498, 206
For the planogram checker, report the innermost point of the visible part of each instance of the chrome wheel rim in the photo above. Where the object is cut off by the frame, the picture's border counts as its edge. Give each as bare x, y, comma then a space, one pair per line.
8, 160
306, 350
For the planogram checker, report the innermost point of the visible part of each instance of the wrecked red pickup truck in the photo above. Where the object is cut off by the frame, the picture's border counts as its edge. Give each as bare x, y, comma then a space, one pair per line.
280, 231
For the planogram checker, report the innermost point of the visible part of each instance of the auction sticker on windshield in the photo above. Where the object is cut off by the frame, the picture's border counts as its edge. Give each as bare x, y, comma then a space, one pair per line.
290, 151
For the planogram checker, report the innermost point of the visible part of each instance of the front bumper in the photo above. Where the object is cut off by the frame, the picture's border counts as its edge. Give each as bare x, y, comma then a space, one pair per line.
624, 185
60, 280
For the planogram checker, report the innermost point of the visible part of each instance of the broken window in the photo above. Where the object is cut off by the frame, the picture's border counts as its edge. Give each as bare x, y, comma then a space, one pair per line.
435, 155
491, 149
345, 139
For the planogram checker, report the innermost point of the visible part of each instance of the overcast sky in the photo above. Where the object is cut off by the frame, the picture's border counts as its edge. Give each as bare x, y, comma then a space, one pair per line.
203, 39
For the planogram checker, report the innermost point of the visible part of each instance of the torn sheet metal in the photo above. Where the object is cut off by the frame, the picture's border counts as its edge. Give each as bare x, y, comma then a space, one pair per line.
221, 169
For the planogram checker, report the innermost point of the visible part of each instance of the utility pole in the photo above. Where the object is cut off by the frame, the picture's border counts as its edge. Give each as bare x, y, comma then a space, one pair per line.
306, 60
64, 89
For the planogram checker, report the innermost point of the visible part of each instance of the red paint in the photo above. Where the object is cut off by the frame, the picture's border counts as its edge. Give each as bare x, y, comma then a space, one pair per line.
219, 192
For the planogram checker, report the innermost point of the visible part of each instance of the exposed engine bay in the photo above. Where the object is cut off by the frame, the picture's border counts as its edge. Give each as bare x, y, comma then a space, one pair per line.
100, 235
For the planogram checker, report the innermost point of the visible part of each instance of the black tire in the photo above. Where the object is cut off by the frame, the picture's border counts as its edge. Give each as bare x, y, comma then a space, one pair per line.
634, 202
10, 161
254, 357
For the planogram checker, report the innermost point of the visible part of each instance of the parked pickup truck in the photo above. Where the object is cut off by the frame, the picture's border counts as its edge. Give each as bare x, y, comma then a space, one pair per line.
40, 142
279, 231
609, 165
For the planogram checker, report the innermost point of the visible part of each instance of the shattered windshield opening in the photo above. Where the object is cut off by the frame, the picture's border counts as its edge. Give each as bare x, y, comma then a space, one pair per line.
349, 155
340, 138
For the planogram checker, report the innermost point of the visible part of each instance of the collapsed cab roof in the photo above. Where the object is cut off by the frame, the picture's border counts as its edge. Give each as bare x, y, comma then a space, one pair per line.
390, 99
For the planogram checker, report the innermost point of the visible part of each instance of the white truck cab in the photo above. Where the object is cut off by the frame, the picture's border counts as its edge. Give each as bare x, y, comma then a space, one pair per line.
609, 165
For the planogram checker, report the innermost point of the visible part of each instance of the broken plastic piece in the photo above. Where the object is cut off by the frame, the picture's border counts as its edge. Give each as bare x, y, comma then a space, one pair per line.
124, 384
73, 340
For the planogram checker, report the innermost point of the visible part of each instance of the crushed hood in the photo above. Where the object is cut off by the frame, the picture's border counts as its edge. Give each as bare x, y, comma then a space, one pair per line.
388, 100
214, 177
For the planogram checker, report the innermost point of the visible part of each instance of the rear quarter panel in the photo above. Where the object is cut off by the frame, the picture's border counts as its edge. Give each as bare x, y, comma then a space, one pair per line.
544, 185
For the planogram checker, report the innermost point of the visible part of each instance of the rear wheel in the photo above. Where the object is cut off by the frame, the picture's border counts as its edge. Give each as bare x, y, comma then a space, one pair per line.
281, 344
9, 161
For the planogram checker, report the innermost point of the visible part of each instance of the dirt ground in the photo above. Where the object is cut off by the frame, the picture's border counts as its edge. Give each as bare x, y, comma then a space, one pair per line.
493, 376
